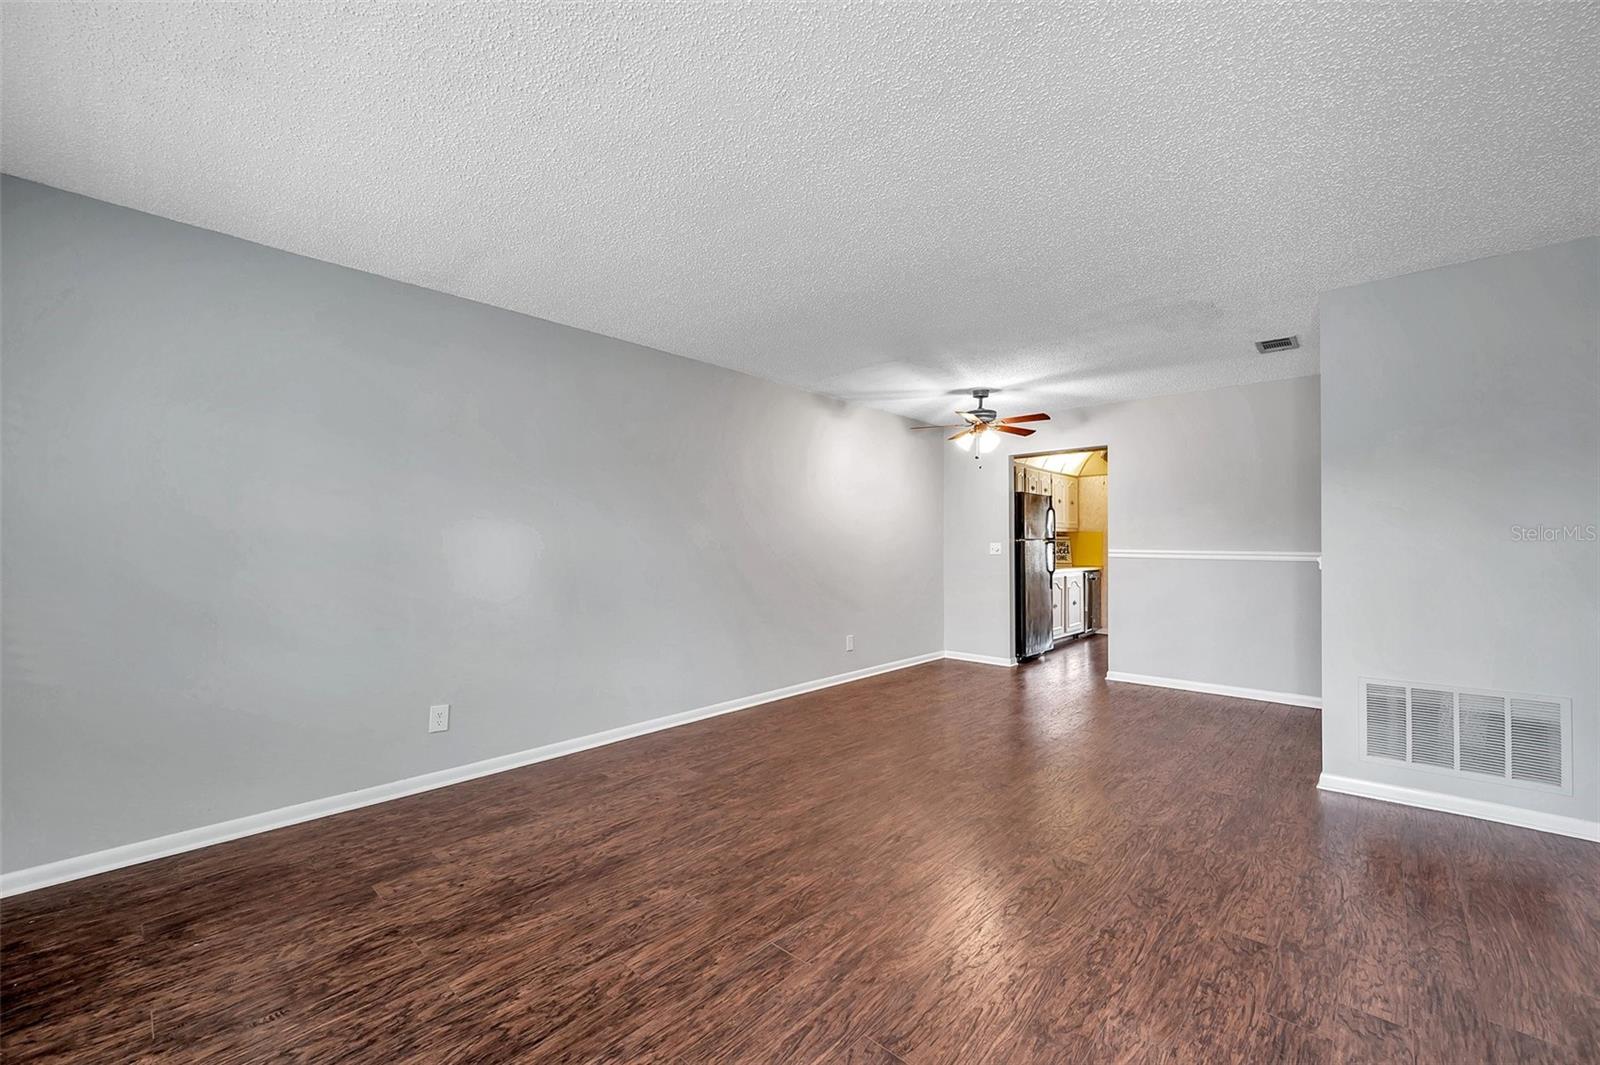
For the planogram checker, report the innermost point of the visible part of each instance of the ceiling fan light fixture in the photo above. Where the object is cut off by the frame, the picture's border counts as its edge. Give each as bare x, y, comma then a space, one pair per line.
981, 427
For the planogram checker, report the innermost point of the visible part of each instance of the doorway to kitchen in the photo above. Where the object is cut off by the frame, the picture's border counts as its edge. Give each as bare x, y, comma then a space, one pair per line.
1059, 527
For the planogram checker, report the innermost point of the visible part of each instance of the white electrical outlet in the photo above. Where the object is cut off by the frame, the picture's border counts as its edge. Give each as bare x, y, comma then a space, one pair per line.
439, 717
994, 547
849, 643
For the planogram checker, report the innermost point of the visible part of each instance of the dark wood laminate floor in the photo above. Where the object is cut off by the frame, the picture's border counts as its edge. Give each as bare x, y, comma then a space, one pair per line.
952, 863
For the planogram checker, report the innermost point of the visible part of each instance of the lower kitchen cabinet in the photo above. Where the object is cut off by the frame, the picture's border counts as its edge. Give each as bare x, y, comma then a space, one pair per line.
1067, 613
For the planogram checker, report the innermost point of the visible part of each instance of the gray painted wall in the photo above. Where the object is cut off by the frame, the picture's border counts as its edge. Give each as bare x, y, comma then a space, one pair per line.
1264, 630
1228, 470
261, 511
1457, 405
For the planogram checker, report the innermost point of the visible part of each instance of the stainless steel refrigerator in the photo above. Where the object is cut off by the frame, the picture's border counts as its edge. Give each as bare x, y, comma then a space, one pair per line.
1035, 553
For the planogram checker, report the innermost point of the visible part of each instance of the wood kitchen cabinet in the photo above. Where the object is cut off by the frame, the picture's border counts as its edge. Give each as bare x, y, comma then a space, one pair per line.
1064, 496
1062, 490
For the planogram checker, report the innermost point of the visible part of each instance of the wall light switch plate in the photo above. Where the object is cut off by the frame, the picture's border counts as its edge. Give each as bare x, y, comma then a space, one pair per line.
849, 643
439, 717
995, 548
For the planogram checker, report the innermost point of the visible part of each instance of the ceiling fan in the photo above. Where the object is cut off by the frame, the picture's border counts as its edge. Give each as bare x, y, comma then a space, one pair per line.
984, 426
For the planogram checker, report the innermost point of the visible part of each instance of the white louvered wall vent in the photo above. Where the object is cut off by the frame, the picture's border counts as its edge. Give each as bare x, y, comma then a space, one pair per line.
1523, 740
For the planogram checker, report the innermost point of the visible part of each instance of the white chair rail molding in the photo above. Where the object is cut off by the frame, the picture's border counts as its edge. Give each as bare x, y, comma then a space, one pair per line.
610, 531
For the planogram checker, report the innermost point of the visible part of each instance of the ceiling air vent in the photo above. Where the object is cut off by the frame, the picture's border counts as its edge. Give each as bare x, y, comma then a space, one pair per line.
1278, 344
1522, 740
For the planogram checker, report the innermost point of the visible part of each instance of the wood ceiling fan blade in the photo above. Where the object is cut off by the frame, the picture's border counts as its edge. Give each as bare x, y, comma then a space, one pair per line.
1013, 432
972, 419
965, 432
916, 427
1025, 418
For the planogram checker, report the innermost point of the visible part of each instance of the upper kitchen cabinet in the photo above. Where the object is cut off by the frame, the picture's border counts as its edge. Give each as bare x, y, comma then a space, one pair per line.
1065, 491
1064, 497
1066, 501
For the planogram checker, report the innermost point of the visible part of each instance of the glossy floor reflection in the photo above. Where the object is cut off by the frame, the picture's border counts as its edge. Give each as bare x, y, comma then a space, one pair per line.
952, 863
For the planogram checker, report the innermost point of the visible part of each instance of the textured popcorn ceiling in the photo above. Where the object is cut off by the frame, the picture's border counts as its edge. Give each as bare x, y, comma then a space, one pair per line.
878, 201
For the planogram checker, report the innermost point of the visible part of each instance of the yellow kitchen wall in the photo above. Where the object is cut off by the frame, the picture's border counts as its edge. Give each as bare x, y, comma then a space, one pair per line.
1088, 547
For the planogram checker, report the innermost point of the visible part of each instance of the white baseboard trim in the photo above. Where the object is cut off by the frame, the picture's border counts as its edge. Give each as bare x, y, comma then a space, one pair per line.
59, 872
1257, 694
982, 660
1452, 804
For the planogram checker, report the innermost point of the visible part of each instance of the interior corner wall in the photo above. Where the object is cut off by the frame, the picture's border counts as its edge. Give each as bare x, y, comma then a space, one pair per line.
1461, 494
1228, 470
261, 511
